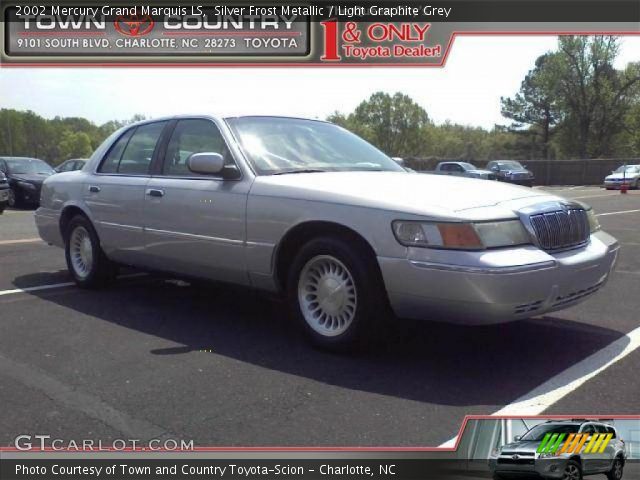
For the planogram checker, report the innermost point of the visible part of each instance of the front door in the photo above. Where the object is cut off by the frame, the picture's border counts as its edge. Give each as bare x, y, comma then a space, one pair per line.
195, 224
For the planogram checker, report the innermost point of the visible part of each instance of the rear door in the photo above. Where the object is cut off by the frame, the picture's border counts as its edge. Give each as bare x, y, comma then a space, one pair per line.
195, 224
115, 194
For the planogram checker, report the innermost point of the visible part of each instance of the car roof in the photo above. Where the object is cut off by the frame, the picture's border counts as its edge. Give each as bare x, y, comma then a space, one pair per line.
219, 117
578, 422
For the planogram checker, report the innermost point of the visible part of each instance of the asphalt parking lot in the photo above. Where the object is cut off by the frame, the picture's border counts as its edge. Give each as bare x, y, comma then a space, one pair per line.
222, 366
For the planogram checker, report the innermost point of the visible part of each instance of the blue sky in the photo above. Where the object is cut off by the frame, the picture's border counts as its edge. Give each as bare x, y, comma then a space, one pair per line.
465, 91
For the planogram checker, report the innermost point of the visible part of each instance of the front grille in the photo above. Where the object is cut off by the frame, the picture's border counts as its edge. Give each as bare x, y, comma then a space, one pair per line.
574, 296
527, 307
522, 454
519, 461
562, 229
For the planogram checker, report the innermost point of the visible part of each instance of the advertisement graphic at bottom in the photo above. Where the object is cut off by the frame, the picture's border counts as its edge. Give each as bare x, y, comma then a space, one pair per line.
553, 447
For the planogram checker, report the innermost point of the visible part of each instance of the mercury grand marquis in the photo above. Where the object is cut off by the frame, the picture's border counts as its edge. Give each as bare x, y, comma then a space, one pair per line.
311, 211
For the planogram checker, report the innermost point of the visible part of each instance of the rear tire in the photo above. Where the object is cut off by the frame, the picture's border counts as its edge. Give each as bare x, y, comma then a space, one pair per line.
336, 294
86, 261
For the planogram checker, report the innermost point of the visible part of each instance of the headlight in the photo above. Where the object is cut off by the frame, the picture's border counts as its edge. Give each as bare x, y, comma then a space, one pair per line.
594, 224
496, 452
547, 455
27, 186
462, 236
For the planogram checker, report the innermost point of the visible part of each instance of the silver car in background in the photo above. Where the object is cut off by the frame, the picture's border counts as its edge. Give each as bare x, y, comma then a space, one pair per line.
307, 209
583, 448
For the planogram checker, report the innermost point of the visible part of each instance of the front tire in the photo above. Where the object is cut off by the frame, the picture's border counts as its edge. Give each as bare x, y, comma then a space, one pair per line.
572, 471
617, 470
336, 294
86, 261
12, 201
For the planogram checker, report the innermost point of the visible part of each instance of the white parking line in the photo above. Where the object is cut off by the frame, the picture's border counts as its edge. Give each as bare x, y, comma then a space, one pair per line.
595, 196
58, 285
23, 240
617, 213
35, 289
556, 388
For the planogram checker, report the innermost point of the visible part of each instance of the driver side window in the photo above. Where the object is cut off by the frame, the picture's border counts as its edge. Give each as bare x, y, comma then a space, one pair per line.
192, 136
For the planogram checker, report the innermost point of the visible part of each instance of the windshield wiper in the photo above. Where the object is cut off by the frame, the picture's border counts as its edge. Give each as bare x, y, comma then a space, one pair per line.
302, 170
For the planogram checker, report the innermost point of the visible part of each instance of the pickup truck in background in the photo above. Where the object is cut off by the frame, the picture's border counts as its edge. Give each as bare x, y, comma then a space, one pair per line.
463, 169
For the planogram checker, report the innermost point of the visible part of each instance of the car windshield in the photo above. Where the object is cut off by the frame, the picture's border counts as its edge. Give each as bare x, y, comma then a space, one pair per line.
510, 166
28, 166
286, 145
537, 433
628, 169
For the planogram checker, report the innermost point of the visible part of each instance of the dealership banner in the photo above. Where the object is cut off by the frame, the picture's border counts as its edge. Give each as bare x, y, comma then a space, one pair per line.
293, 34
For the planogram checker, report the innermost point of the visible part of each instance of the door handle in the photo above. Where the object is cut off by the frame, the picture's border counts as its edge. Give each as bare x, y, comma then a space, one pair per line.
152, 192
94, 189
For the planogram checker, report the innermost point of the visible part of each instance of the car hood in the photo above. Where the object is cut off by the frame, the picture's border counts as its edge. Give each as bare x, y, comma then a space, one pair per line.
620, 176
522, 446
420, 194
30, 177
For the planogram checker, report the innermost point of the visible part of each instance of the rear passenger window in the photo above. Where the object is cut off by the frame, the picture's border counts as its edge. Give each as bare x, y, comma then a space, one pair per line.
189, 137
138, 153
111, 161
133, 152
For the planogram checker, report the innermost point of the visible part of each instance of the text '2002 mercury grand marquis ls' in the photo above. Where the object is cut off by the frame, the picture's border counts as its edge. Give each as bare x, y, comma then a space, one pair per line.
306, 208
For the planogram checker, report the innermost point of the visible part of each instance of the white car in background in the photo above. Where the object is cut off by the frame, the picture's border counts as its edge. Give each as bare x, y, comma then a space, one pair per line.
628, 175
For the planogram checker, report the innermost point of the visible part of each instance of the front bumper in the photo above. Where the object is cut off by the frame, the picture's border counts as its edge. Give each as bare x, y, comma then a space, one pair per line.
29, 196
496, 286
552, 467
619, 184
527, 182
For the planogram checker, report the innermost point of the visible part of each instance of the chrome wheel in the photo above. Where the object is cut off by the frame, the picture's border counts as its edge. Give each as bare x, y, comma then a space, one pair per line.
327, 295
81, 252
572, 472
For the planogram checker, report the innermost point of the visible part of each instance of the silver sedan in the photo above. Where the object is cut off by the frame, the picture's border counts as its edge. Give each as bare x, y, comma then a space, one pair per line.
307, 209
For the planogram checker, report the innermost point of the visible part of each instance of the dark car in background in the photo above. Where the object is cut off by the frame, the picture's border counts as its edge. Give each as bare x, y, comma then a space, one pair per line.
25, 176
71, 165
511, 171
4, 192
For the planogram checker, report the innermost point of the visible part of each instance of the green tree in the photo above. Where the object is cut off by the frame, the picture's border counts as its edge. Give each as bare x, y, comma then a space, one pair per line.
595, 95
534, 109
75, 145
392, 123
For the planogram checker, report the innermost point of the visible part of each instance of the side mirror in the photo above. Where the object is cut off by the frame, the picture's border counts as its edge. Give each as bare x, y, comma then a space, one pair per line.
517, 438
206, 163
